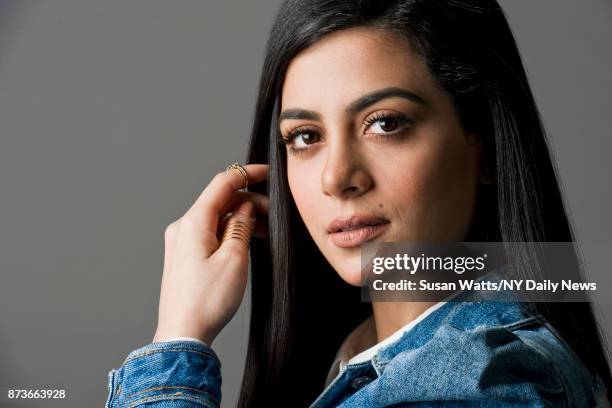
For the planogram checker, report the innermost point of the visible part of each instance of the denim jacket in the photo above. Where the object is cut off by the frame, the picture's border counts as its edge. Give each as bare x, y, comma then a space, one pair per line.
476, 353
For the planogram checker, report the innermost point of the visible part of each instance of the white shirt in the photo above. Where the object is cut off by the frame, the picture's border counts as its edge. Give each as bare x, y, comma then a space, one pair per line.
184, 339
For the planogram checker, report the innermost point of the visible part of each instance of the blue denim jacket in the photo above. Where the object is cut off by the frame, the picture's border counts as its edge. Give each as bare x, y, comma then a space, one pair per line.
477, 353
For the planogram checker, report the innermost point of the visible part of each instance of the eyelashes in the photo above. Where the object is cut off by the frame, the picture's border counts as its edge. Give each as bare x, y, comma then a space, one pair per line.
292, 135
386, 124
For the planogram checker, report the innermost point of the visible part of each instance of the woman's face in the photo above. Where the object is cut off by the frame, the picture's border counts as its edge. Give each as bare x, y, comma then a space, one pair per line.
374, 136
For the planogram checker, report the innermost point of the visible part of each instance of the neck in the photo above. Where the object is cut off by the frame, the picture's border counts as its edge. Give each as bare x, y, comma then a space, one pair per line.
389, 317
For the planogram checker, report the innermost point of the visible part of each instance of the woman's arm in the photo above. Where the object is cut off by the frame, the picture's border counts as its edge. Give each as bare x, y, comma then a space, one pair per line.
203, 282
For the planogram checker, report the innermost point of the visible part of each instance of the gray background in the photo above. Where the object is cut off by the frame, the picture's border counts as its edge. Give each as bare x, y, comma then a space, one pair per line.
115, 114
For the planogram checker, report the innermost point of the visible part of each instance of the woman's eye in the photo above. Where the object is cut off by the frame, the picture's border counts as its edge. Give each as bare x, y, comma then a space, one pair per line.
303, 139
299, 140
387, 124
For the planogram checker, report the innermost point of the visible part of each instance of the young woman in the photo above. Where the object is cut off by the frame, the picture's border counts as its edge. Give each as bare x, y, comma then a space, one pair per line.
407, 120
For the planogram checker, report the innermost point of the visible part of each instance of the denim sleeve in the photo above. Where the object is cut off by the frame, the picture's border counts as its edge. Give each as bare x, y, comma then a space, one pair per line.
177, 373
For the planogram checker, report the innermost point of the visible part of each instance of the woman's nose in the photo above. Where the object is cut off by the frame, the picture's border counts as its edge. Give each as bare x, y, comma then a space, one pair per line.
345, 174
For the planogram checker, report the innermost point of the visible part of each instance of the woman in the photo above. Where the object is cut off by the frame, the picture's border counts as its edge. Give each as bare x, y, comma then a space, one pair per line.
415, 118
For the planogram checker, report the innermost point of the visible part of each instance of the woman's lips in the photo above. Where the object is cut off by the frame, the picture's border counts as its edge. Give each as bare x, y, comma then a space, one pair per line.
356, 237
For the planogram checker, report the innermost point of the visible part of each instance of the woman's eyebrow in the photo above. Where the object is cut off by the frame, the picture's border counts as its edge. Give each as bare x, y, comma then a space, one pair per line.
373, 97
299, 114
357, 105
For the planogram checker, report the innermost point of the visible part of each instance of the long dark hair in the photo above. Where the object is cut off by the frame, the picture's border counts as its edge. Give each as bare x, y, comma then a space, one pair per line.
301, 310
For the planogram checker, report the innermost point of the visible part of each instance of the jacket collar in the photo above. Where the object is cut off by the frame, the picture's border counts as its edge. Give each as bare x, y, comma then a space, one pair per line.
361, 345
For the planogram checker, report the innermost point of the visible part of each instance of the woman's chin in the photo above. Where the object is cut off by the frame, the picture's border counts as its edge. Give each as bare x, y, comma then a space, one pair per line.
353, 279
347, 264
350, 271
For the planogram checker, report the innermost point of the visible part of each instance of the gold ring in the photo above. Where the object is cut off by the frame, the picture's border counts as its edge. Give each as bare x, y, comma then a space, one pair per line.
239, 226
242, 172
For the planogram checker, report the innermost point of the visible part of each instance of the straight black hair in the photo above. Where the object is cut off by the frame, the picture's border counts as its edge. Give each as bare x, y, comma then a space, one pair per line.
300, 309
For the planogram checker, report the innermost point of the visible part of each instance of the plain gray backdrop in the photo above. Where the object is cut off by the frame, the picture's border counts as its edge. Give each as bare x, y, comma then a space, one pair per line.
115, 114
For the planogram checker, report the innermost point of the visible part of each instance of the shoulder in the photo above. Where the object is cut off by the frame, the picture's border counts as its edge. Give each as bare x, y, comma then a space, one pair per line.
492, 351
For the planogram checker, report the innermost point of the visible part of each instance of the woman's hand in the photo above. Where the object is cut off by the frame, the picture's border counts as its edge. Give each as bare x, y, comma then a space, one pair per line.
204, 279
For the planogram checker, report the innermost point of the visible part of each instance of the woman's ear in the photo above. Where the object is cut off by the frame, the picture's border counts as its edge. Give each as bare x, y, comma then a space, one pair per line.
472, 138
487, 173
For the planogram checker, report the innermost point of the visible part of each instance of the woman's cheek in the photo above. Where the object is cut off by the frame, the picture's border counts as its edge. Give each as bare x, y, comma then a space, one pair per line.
409, 190
420, 194
445, 193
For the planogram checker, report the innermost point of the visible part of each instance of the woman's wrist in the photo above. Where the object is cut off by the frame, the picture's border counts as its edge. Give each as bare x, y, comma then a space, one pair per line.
201, 336
182, 338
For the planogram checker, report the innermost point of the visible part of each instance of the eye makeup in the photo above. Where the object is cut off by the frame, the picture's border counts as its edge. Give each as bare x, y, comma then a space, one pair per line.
387, 124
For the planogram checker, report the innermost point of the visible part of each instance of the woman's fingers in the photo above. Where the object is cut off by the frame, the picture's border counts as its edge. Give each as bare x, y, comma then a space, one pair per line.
219, 191
239, 241
217, 197
261, 222
259, 200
